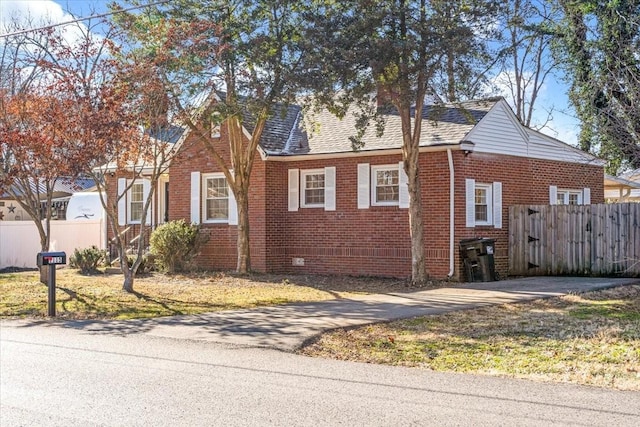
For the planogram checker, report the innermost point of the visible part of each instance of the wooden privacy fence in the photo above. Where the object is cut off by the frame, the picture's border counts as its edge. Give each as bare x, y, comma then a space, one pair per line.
575, 239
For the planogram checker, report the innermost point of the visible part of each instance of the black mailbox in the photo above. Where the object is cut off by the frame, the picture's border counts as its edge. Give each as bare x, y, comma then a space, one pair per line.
51, 258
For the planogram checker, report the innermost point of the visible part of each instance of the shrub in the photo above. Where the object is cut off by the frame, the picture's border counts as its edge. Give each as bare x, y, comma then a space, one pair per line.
146, 265
174, 245
87, 260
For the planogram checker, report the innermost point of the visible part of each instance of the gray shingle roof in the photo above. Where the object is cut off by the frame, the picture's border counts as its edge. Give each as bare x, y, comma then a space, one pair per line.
443, 124
279, 129
170, 134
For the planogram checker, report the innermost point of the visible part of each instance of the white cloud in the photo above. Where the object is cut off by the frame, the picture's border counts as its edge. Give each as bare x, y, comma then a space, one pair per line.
31, 13
16, 15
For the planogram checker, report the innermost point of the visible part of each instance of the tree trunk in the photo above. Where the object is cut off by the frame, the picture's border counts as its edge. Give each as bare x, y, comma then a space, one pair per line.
416, 222
44, 275
44, 245
127, 285
244, 256
410, 157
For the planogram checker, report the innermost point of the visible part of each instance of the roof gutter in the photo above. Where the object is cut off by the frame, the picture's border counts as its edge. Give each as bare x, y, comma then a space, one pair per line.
451, 215
277, 157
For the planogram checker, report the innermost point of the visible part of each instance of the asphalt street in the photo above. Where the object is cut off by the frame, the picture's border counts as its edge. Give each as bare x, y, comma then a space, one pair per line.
52, 375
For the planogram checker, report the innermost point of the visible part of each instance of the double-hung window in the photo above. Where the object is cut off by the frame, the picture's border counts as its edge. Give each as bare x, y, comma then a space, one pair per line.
560, 196
136, 203
312, 183
484, 203
216, 198
385, 185
382, 185
212, 200
132, 195
312, 188
569, 197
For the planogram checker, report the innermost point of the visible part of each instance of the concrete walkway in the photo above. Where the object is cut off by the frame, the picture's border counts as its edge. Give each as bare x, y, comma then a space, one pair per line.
287, 327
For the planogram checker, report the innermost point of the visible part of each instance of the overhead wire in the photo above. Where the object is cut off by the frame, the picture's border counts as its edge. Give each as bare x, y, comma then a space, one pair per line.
75, 20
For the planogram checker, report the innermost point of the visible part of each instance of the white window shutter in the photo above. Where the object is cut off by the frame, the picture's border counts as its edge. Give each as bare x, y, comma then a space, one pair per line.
586, 196
403, 188
553, 195
330, 188
195, 197
122, 201
364, 191
294, 185
470, 197
146, 189
233, 208
497, 205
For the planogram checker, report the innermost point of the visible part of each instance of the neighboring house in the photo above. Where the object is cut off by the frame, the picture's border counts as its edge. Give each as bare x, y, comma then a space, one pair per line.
624, 188
316, 206
64, 188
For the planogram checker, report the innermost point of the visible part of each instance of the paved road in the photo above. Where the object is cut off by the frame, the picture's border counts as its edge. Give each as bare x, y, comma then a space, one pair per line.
51, 376
288, 327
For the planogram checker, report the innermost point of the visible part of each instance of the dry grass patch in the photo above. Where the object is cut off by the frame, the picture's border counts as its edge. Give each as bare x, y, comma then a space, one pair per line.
101, 295
592, 338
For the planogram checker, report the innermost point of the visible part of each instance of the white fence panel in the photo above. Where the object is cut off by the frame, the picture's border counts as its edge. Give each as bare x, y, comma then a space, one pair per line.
20, 242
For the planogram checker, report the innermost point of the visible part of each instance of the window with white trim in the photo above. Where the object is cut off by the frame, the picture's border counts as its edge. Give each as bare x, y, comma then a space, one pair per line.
312, 188
312, 183
215, 197
136, 203
569, 197
484, 204
382, 185
385, 185
559, 196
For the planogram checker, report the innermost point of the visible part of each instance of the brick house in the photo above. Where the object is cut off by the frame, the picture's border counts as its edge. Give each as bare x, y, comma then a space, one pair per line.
317, 206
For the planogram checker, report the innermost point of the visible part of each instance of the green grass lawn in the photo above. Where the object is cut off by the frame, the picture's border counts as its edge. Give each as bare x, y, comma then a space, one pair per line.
101, 296
591, 338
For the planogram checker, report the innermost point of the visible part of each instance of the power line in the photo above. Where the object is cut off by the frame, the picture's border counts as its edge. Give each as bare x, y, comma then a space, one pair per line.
73, 21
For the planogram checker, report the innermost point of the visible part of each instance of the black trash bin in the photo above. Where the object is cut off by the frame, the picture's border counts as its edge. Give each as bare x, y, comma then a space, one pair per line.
477, 256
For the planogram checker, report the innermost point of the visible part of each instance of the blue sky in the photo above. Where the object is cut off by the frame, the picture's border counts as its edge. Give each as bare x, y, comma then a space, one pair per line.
563, 124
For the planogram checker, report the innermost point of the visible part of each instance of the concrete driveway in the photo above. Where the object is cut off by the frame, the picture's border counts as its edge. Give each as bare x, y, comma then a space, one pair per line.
287, 327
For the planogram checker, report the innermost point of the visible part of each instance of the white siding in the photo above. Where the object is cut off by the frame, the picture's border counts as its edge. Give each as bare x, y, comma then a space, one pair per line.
547, 148
499, 133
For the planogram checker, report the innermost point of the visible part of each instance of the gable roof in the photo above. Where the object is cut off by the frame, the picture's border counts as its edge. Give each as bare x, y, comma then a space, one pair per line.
324, 133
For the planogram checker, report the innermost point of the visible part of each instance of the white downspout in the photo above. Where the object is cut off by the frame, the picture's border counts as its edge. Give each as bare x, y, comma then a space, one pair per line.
451, 214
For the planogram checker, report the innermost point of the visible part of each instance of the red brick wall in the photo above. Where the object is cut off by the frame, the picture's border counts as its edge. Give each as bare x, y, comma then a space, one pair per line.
376, 241
524, 181
220, 251
372, 241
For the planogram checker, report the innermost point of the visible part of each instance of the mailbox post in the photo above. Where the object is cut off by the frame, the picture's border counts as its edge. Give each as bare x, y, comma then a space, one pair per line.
51, 259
